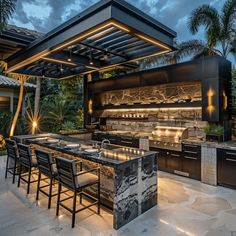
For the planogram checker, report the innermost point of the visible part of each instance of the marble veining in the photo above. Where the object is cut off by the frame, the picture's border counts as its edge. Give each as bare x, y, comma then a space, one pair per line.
168, 93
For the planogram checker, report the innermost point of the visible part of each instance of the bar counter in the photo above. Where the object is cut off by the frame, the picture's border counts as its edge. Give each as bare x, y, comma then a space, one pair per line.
128, 175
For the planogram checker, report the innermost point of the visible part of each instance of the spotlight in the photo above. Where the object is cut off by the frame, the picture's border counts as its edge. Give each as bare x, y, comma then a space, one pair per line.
43, 73
105, 56
69, 57
90, 58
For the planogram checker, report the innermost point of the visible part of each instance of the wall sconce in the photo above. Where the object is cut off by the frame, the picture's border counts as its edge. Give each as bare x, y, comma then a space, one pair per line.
225, 101
90, 106
210, 106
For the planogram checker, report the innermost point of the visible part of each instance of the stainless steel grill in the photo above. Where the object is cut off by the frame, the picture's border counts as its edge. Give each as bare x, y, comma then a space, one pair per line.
165, 137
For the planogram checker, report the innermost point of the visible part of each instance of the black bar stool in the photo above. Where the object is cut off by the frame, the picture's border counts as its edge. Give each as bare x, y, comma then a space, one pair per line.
12, 154
76, 182
29, 163
46, 167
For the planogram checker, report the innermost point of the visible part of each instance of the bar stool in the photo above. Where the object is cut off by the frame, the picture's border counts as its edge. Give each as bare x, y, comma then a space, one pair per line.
28, 162
46, 167
12, 154
76, 182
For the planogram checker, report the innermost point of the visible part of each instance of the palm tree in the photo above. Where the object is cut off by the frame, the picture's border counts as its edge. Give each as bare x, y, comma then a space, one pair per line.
220, 31
220, 28
7, 8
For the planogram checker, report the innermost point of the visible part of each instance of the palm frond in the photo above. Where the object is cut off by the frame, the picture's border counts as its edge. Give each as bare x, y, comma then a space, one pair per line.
189, 48
228, 18
7, 8
207, 16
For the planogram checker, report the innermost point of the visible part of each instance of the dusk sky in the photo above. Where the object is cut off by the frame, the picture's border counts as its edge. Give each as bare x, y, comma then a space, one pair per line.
44, 15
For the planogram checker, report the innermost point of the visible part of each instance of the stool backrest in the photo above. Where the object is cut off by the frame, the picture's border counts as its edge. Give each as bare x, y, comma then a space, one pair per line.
12, 150
25, 155
66, 170
44, 160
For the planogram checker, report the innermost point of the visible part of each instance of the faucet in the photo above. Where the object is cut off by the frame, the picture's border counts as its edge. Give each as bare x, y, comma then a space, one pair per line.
105, 141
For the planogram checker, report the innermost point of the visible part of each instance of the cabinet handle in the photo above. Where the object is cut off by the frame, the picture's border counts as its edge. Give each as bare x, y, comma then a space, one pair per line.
191, 158
231, 153
230, 159
127, 142
174, 155
187, 145
190, 152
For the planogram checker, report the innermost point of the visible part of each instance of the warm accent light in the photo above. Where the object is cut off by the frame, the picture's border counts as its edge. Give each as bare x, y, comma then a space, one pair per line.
59, 61
210, 106
153, 109
84, 35
225, 101
90, 106
152, 41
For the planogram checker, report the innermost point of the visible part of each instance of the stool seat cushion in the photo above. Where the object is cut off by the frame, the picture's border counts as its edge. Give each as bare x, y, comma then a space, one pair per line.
34, 162
86, 179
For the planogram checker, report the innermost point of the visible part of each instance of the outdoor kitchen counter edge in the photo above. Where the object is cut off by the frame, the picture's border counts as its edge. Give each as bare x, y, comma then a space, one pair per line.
90, 156
231, 145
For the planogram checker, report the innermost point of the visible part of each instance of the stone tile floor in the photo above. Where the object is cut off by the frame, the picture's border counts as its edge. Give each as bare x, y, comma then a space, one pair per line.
186, 208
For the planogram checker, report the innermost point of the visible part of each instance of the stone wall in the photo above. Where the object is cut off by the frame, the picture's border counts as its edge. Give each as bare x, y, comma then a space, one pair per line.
158, 94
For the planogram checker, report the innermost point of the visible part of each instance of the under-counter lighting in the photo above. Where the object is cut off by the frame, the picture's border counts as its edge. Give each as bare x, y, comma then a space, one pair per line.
153, 109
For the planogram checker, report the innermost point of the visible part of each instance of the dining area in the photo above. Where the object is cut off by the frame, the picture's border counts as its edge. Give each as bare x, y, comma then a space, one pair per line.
77, 175
53, 176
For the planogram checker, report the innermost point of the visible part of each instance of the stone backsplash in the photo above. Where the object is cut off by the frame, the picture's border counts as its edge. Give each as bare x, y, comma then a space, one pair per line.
166, 93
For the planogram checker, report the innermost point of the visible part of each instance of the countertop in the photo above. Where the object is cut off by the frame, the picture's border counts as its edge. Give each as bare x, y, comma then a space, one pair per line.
110, 155
231, 145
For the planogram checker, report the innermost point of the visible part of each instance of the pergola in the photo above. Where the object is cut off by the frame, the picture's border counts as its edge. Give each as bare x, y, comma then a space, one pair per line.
110, 34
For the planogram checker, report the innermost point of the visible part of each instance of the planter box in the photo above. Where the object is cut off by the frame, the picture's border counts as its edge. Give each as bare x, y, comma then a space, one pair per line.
214, 138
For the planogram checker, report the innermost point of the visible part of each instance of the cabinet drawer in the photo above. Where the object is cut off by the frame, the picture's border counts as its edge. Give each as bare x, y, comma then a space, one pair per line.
226, 166
174, 161
192, 150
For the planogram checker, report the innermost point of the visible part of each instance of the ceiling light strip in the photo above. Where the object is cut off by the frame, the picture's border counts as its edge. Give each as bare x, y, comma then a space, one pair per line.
152, 41
64, 45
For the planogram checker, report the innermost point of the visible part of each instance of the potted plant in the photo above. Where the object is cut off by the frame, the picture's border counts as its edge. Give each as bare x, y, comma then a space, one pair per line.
214, 132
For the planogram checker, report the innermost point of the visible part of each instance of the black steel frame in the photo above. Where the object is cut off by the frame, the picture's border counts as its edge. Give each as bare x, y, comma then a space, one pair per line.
78, 191
12, 153
111, 27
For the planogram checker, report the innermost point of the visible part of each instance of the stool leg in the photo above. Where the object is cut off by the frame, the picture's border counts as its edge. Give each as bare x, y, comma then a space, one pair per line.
38, 186
50, 194
98, 198
80, 198
19, 175
14, 172
74, 209
28, 187
6, 167
58, 198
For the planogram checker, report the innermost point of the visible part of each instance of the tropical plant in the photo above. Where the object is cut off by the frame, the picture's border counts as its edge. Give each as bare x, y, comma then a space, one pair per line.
220, 28
55, 111
5, 121
220, 32
214, 129
68, 125
7, 8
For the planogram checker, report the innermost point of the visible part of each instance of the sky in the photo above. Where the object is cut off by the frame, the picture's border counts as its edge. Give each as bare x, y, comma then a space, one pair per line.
45, 15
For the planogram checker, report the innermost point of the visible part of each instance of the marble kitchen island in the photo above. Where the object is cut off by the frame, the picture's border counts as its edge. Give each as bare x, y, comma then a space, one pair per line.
128, 175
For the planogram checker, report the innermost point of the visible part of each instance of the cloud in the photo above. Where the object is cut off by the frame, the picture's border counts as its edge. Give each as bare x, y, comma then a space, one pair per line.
45, 15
